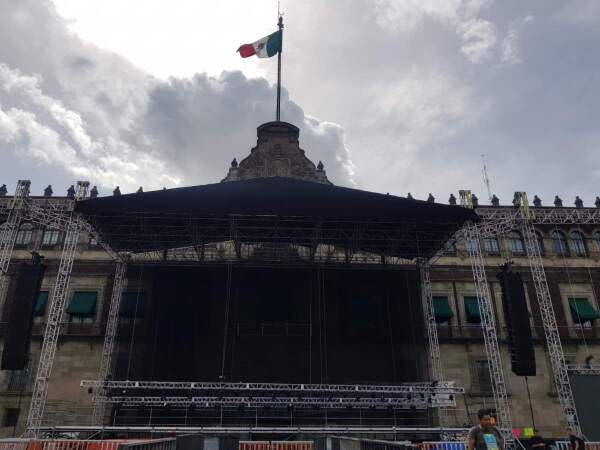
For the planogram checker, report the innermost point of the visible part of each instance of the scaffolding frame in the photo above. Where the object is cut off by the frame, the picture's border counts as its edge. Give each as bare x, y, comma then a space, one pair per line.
9, 230
52, 331
490, 333
105, 370
553, 342
496, 221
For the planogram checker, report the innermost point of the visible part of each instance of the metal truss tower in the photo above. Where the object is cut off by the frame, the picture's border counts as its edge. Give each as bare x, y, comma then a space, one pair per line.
435, 360
57, 306
555, 351
9, 230
488, 323
109, 343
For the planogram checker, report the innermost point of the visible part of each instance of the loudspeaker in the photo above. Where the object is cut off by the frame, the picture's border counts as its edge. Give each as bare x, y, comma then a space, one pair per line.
20, 317
522, 353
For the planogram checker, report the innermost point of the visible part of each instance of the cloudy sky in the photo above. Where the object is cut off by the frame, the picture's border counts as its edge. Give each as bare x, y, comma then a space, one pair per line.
392, 95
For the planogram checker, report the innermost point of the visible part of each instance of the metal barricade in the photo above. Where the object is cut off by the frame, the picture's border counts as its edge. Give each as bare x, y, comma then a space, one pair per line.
153, 444
254, 445
292, 445
443, 445
14, 444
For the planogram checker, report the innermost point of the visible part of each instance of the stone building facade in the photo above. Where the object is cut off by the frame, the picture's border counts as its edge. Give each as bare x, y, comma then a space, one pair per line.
571, 257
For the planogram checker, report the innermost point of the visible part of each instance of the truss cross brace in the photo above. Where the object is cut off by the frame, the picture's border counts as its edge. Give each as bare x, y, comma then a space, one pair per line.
57, 306
490, 334
553, 343
9, 230
435, 360
105, 370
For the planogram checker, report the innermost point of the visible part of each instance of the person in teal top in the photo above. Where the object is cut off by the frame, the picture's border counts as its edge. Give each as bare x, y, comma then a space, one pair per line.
485, 436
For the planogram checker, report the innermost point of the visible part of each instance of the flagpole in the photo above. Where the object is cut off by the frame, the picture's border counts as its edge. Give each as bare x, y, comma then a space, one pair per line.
280, 25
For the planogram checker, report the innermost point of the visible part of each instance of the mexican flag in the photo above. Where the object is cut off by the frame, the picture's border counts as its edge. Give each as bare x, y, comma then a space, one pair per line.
263, 48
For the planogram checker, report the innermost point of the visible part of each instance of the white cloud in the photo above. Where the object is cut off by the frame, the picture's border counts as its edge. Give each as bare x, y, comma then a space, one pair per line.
479, 39
478, 36
50, 133
511, 51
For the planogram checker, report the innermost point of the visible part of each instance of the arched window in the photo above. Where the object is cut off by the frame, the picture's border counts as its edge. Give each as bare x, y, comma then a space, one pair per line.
577, 243
491, 245
597, 240
540, 240
471, 245
515, 243
50, 236
25, 234
559, 243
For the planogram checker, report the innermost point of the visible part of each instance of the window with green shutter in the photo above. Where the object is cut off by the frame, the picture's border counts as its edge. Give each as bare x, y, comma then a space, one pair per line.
40, 304
472, 309
582, 310
441, 307
83, 304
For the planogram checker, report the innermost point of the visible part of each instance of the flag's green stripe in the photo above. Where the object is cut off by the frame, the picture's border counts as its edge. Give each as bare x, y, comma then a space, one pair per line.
274, 43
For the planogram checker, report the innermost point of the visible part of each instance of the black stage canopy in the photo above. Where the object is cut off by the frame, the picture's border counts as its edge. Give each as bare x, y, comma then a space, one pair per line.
275, 210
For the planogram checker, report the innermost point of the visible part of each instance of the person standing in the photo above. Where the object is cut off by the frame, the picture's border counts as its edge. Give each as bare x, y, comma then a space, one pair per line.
537, 442
485, 436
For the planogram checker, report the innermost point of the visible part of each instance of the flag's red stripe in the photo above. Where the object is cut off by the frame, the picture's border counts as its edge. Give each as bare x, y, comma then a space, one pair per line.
246, 50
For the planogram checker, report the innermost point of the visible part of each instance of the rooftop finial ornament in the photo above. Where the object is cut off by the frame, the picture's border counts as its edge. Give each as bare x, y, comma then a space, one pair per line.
495, 200
140, 190
320, 166
234, 163
557, 201
537, 201
475, 201
48, 191
3, 190
94, 192
452, 199
117, 191
409, 196
578, 202
71, 192
597, 202
431, 198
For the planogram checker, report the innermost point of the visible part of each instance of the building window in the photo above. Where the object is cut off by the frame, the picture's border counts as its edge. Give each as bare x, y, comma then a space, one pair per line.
25, 234
481, 382
471, 245
19, 380
442, 310
515, 243
39, 311
472, 309
597, 240
559, 243
82, 308
540, 241
582, 311
50, 237
577, 243
491, 245
11, 417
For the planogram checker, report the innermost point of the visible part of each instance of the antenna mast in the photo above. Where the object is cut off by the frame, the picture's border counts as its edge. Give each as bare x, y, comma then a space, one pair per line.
486, 179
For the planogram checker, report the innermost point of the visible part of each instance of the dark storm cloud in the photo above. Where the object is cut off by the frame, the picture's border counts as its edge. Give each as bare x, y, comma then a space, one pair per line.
70, 107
